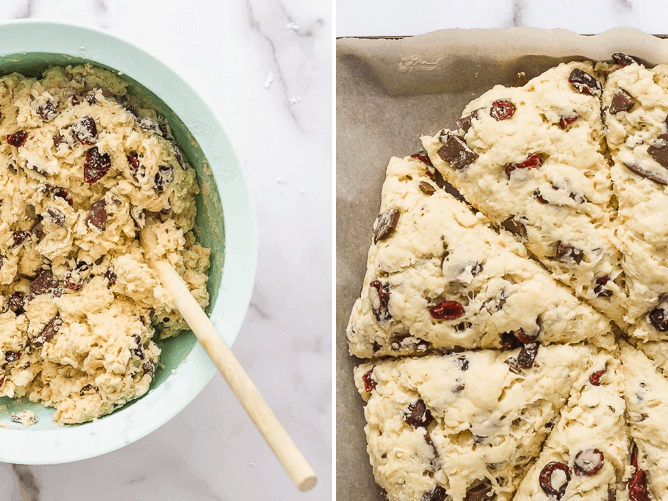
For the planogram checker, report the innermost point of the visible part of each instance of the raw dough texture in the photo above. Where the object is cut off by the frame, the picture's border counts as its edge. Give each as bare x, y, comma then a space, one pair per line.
81, 173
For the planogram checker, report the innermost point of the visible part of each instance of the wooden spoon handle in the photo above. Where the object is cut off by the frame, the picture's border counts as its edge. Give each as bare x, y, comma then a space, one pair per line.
244, 389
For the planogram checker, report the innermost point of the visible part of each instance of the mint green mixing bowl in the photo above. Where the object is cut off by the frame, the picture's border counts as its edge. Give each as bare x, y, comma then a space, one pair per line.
29, 47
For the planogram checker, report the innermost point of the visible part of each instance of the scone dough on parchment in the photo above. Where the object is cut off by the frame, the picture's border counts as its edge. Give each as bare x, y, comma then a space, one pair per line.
80, 174
469, 421
531, 159
586, 455
438, 276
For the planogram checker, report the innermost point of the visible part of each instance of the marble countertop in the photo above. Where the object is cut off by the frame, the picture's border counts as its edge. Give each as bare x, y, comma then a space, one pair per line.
265, 68
391, 17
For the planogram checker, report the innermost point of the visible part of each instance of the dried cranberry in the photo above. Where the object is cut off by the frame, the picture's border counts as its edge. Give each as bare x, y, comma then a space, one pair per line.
514, 226
436, 494
502, 110
423, 157
523, 337
658, 317
85, 131
621, 101
588, 462
382, 313
539, 197
447, 310
369, 382
74, 100
418, 415
456, 152
599, 287
18, 138
59, 139
566, 252
96, 166
463, 363
638, 487
47, 111
466, 122
136, 167
97, 214
634, 455
532, 162
90, 98
163, 178
585, 83
12, 356
18, 237
547, 479
45, 283
64, 194
565, 122
595, 378
624, 60
385, 224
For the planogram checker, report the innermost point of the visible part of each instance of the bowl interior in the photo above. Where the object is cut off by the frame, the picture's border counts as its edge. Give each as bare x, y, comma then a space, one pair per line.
209, 228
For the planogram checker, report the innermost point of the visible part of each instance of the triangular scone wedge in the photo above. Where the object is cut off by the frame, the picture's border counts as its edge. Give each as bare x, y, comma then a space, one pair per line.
586, 456
444, 425
635, 101
438, 276
646, 395
530, 158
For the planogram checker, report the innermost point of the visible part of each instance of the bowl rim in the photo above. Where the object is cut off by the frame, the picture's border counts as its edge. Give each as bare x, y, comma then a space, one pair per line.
65, 444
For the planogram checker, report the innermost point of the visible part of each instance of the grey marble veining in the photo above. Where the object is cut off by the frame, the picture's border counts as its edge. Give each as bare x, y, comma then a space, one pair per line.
282, 134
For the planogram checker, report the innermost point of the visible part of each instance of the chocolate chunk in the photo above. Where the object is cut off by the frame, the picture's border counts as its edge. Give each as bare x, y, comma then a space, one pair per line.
527, 355
85, 131
600, 289
179, 157
436, 494
89, 388
418, 415
566, 252
149, 125
164, 177
502, 110
384, 225
554, 485
137, 169
621, 101
520, 79
644, 173
96, 166
56, 216
658, 317
18, 138
456, 152
480, 492
97, 215
531, 162
16, 303
624, 60
47, 111
110, 275
659, 150
90, 98
514, 226
509, 341
463, 363
585, 83
139, 350
74, 100
45, 283
447, 310
149, 368
465, 123
539, 197
49, 330
427, 188
12, 356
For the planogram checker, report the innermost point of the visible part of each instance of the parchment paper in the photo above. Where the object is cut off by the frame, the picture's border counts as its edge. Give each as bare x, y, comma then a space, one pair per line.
389, 92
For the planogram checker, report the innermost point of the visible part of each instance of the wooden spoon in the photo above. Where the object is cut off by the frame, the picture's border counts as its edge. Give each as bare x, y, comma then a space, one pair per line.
266, 422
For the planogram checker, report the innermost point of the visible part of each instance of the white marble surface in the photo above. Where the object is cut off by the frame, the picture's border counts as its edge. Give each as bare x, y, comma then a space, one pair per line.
391, 17
227, 50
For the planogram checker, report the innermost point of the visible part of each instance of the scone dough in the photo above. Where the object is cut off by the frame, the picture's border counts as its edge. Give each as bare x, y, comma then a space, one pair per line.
80, 176
440, 253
